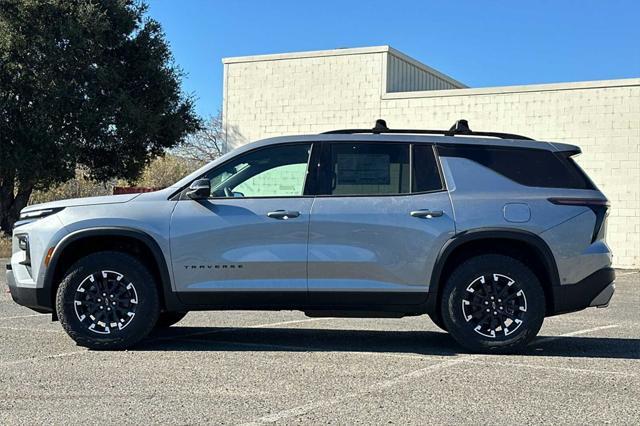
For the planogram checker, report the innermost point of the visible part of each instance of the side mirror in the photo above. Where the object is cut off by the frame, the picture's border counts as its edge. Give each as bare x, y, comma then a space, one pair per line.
199, 189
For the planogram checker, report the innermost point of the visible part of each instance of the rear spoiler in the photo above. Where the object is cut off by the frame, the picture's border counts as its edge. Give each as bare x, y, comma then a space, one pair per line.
566, 149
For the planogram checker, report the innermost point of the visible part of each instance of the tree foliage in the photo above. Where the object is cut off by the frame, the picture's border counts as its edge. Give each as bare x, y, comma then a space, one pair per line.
166, 170
160, 173
77, 187
88, 84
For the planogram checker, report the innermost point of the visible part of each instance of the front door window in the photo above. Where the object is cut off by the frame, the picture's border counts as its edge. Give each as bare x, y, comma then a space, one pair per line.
271, 172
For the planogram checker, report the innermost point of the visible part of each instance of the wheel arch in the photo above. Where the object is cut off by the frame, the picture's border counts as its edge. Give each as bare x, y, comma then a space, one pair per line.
516, 243
129, 240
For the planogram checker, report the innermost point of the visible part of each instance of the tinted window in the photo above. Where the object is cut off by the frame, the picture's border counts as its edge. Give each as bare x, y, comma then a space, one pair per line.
369, 169
426, 176
530, 167
271, 172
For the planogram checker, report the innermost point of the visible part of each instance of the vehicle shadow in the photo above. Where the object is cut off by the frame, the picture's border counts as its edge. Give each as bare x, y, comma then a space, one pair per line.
402, 342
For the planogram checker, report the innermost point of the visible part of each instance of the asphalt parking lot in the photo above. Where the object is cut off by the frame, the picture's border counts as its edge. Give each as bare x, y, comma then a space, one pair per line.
282, 367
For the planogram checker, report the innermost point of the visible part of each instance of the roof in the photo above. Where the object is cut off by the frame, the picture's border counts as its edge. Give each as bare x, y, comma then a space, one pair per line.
307, 54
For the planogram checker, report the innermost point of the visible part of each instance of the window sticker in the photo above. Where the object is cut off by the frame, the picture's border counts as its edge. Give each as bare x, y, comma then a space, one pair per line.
367, 169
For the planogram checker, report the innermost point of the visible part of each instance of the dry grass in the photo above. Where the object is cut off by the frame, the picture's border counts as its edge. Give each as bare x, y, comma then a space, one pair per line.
5, 246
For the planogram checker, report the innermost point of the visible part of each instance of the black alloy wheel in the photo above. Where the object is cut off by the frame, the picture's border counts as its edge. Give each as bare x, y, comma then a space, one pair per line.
493, 303
108, 300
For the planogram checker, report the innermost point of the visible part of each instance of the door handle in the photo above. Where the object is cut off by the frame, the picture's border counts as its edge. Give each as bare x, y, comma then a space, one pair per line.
427, 213
283, 214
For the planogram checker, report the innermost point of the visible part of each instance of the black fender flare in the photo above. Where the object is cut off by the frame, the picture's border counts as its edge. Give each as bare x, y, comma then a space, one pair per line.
533, 240
170, 300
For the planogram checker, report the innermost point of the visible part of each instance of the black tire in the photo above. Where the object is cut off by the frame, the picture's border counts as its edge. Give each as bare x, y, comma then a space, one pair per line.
438, 321
133, 307
503, 327
167, 319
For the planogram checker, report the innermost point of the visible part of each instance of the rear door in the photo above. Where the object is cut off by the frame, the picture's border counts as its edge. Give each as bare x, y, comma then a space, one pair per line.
378, 225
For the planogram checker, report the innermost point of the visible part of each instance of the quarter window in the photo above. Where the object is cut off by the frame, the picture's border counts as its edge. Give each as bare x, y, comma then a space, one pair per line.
529, 167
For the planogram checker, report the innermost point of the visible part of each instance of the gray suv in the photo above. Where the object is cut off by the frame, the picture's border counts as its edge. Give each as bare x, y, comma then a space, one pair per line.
487, 233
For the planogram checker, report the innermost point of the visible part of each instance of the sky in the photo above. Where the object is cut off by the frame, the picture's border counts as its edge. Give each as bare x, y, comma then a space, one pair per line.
480, 43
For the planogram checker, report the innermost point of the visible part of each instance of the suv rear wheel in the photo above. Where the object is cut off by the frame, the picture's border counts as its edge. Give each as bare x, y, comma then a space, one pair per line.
493, 304
107, 300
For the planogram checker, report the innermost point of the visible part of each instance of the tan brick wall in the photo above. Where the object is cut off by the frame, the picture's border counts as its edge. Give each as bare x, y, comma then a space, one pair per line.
308, 93
300, 95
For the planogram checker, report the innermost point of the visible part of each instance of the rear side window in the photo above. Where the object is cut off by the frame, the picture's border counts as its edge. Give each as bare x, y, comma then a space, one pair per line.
529, 167
369, 169
426, 174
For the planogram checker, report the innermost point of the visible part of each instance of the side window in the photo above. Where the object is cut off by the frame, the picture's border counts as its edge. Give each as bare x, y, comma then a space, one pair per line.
426, 175
286, 180
369, 168
278, 171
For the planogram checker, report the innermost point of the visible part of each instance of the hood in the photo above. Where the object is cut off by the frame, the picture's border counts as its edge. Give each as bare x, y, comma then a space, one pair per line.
87, 201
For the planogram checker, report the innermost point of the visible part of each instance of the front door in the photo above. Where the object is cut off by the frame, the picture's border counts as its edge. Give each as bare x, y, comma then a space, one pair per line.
375, 233
248, 241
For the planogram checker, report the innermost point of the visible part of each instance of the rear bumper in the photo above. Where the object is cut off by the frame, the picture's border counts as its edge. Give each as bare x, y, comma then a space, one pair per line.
595, 290
35, 298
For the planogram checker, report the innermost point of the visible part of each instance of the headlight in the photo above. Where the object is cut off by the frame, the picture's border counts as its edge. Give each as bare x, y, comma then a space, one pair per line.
39, 214
28, 217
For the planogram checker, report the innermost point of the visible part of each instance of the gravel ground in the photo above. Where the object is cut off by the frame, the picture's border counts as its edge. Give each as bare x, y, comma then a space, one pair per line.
282, 367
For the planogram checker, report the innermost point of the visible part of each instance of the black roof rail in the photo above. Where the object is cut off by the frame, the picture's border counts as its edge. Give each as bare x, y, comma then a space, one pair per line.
461, 127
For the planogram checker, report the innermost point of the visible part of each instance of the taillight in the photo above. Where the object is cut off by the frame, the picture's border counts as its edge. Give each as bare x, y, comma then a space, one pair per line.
599, 206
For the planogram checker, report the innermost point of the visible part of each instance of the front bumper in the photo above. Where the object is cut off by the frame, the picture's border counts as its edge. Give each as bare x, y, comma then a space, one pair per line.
595, 290
37, 299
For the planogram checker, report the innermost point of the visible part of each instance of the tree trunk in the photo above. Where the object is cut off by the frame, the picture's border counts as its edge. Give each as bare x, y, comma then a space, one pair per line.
11, 203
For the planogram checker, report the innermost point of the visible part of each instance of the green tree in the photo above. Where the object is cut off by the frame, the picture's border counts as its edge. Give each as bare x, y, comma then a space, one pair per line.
87, 84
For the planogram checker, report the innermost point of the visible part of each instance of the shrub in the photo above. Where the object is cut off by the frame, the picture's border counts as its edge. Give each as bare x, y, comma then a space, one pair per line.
5, 246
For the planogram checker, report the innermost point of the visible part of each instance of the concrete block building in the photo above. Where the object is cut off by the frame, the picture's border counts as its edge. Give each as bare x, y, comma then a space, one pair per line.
311, 92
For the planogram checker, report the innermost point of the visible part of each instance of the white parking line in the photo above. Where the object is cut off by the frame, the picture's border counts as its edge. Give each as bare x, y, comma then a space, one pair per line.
576, 333
549, 367
24, 316
31, 329
589, 330
42, 358
402, 379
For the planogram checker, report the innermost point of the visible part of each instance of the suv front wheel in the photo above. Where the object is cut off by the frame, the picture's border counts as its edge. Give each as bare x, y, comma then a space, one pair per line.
493, 304
107, 300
